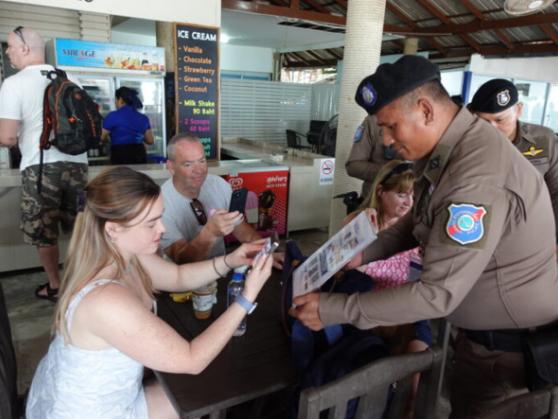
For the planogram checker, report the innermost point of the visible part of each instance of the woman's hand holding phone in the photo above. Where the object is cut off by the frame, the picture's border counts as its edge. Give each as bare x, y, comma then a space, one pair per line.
257, 276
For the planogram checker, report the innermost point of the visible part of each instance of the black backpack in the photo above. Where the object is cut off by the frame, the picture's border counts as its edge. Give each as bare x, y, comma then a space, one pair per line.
71, 114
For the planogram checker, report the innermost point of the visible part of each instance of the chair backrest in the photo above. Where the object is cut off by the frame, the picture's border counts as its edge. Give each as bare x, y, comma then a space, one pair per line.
370, 384
8, 371
542, 404
316, 127
292, 139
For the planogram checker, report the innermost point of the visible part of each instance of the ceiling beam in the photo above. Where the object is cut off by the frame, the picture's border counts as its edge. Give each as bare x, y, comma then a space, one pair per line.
432, 9
293, 11
317, 6
482, 25
525, 49
312, 64
410, 23
315, 56
334, 53
298, 56
550, 32
342, 3
478, 14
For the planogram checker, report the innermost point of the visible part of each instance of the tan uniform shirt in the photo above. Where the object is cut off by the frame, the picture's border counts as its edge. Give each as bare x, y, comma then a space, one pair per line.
538, 145
368, 154
503, 275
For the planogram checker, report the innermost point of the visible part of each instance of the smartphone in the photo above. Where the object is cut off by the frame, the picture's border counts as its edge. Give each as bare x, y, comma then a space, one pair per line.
238, 200
269, 248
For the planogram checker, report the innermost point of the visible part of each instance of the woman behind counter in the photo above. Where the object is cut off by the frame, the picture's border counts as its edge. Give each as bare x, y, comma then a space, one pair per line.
128, 129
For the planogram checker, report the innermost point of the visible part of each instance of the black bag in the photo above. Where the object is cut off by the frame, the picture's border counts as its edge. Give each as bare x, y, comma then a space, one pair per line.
72, 115
541, 358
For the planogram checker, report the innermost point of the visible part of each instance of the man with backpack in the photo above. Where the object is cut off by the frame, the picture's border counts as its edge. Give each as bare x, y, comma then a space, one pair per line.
61, 175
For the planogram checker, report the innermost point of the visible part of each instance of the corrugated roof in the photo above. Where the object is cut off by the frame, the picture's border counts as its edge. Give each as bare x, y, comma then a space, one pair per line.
458, 28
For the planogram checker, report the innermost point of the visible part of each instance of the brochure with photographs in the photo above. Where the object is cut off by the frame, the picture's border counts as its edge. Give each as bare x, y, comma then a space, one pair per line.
333, 255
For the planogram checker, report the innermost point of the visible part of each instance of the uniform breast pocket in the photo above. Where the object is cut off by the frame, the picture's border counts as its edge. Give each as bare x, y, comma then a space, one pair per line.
540, 163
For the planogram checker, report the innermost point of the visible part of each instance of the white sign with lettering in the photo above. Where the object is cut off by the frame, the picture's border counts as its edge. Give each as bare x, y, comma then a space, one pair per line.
202, 12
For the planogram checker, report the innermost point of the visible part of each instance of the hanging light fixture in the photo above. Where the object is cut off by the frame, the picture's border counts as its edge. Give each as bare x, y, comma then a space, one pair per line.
525, 7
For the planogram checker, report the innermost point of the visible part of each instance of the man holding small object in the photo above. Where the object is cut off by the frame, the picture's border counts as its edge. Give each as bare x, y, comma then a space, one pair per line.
196, 213
483, 218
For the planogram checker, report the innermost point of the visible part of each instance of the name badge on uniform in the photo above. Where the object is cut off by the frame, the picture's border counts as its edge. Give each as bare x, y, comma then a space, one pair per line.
465, 223
358, 133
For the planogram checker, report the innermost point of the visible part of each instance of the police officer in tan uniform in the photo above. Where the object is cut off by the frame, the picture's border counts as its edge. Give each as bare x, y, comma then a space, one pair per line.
368, 154
483, 219
496, 101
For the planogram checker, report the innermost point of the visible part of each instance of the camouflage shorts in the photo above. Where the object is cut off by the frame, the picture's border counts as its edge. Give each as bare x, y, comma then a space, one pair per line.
41, 214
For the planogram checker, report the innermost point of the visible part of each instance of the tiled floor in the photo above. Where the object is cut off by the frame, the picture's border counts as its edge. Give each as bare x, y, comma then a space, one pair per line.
30, 320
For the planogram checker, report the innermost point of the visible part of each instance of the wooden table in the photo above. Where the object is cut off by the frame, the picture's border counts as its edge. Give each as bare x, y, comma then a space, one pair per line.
249, 366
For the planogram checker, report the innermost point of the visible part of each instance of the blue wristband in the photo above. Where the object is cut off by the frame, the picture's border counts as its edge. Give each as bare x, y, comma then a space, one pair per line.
245, 303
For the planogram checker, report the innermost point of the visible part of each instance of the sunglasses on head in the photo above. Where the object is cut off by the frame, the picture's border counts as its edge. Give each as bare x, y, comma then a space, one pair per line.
199, 211
19, 33
397, 170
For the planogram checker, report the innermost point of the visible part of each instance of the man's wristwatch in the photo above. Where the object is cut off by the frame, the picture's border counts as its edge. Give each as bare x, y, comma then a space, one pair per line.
245, 303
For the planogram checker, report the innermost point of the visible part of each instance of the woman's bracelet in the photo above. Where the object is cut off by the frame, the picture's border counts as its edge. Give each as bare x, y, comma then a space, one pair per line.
215, 269
226, 264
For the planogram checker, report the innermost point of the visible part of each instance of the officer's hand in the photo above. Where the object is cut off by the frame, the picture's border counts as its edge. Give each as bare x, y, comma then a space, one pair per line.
307, 310
221, 222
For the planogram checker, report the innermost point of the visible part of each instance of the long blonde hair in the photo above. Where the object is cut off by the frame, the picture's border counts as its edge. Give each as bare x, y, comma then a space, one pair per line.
118, 195
395, 175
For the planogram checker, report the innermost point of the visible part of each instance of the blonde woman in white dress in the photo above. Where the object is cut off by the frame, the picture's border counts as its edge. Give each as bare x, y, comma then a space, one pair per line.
105, 327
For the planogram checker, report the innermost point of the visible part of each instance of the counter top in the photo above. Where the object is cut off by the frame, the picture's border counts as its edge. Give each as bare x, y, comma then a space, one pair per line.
243, 149
251, 155
10, 178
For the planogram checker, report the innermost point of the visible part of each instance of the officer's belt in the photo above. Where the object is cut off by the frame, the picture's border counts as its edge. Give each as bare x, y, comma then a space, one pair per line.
499, 340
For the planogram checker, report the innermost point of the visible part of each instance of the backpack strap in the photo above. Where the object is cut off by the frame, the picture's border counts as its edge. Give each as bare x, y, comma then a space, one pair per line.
44, 143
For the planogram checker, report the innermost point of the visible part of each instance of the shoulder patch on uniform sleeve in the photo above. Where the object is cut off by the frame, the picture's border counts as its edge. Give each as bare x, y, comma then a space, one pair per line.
465, 223
358, 133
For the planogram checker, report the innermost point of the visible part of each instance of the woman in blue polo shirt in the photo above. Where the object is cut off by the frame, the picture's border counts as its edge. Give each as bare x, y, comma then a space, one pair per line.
128, 129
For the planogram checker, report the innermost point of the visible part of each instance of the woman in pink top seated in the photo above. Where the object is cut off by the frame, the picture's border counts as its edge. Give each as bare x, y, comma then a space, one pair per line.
391, 198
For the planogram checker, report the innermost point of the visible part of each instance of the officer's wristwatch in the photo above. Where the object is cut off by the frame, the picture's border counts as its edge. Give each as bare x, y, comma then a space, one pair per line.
245, 303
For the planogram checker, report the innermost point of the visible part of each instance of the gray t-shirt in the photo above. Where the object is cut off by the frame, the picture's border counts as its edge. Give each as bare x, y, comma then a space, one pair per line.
179, 219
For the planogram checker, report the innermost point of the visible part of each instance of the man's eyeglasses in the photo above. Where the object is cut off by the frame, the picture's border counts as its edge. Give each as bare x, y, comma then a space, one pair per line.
397, 170
199, 211
19, 33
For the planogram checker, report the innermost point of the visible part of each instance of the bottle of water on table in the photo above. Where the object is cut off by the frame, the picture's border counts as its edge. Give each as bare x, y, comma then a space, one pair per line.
235, 287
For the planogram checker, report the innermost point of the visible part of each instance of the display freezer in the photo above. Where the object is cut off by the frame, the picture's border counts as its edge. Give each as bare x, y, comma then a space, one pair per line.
102, 68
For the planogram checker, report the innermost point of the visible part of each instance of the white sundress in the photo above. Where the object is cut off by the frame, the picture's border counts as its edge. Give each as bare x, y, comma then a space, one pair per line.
71, 382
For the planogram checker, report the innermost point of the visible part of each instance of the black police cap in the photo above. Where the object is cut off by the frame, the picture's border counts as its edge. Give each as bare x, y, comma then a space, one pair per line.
494, 96
391, 81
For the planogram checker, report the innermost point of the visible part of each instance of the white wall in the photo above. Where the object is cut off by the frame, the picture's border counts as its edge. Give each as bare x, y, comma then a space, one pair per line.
243, 58
203, 12
453, 81
532, 68
127, 33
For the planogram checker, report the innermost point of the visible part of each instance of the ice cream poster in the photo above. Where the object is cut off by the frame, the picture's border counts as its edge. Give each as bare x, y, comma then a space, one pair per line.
267, 202
78, 53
